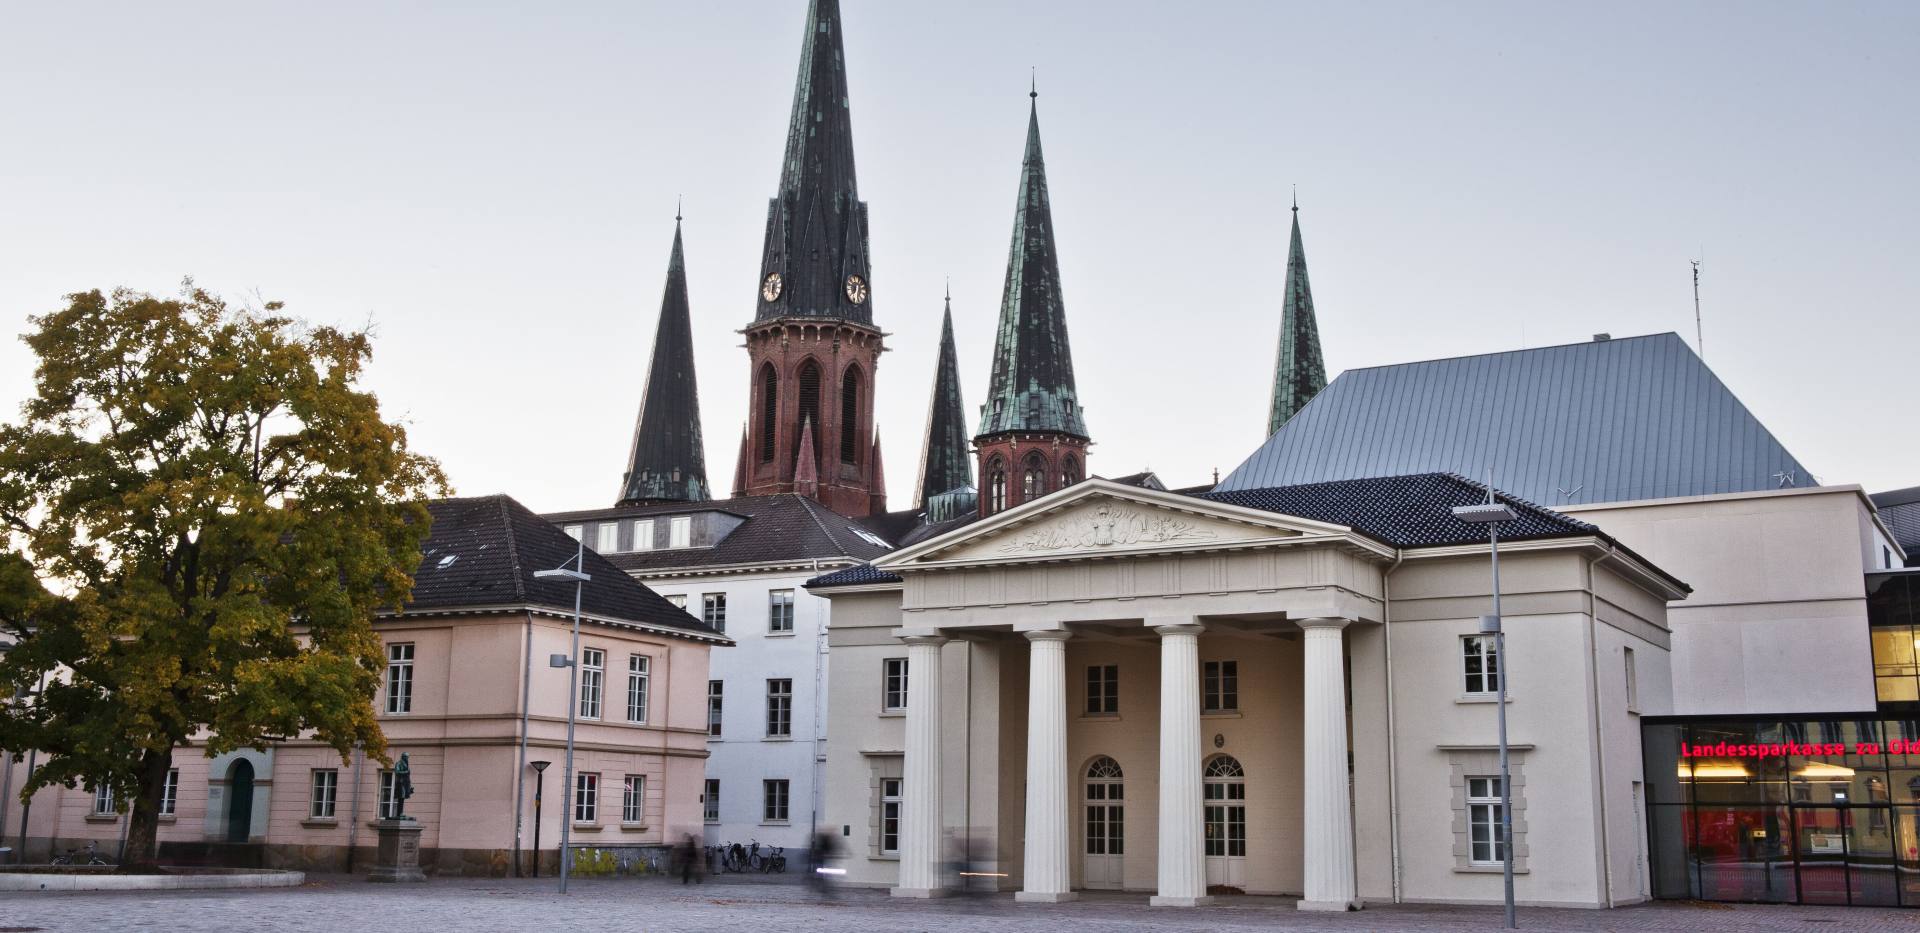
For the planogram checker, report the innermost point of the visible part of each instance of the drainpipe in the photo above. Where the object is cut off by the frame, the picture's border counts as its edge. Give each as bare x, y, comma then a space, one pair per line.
520, 771
819, 710
1599, 744
1393, 745
353, 827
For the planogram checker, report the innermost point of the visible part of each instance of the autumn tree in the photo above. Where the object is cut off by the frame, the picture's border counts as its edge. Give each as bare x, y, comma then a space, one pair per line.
202, 510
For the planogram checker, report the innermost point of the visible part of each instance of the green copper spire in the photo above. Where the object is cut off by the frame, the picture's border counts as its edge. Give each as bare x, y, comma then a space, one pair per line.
1032, 386
945, 462
1298, 373
667, 462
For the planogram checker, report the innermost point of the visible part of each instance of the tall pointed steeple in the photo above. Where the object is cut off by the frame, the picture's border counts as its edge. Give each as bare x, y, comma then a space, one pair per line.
667, 462
945, 462
1298, 373
1033, 434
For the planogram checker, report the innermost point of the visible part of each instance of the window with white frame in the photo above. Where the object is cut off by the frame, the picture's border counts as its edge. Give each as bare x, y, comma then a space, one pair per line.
575, 531
593, 679
325, 789
1103, 690
774, 800
779, 707
716, 705
713, 610
893, 695
890, 815
586, 797
1483, 820
680, 531
1220, 686
1480, 665
103, 801
779, 612
643, 535
1633, 683
170, 793
633, 800
637, 665
608, 540
400, 678
710, 801
386, 803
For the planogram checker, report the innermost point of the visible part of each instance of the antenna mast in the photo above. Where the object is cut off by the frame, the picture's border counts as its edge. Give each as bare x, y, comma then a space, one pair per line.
1699, 339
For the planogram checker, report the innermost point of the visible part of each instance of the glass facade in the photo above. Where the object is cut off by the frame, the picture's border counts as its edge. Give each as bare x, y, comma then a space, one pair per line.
1891, 617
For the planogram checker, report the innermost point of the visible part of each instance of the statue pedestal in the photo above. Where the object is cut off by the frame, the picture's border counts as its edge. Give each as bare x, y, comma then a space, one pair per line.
398, 859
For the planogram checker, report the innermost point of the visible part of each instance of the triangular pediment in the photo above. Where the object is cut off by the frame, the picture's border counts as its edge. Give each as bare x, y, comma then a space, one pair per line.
1099, 518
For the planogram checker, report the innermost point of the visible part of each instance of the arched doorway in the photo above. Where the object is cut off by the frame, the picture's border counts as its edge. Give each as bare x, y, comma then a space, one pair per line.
1105, 825
240, 801
1225, 784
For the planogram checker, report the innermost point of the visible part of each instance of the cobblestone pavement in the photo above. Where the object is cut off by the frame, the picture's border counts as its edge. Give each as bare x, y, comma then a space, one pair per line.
342, 904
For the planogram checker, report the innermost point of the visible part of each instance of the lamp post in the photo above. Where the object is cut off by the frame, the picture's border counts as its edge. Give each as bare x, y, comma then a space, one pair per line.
572, 663
539, 795
1491, 513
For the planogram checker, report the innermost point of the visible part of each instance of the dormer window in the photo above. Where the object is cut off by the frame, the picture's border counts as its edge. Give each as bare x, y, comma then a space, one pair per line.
643, 535
680, 531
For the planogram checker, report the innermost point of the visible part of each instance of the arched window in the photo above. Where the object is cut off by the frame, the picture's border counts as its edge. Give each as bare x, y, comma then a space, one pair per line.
996, 485
1106, 808
850, 415
769, 410
809, 403
1033, 477
1069, 471
1224, 785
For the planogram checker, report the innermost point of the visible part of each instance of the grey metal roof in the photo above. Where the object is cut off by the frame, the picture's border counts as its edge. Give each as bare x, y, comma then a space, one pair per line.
1605, 421
1900, 509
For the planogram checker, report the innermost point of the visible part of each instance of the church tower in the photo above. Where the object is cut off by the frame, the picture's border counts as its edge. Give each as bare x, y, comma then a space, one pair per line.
812, 344
946, 462
668, 463
1298, 373
1033, 436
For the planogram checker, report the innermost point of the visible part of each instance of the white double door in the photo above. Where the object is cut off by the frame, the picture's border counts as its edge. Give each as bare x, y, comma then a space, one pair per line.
1225, 811
1105, 810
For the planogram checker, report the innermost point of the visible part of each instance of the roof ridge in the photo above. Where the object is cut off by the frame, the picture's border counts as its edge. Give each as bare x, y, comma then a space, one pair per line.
1551, 346
513, 547
808, 505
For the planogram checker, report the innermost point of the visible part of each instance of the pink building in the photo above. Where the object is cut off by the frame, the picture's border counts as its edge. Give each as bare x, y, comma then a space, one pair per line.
469, 695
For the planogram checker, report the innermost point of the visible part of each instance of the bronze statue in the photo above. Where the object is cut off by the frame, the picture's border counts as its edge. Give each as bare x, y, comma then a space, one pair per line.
402, 788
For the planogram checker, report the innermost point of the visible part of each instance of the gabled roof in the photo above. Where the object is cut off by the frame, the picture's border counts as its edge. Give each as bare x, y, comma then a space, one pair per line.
779, 529
483, 552
667, 459
1606, 421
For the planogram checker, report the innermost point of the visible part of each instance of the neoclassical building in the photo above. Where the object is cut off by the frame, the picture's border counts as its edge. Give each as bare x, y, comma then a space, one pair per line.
1279, 691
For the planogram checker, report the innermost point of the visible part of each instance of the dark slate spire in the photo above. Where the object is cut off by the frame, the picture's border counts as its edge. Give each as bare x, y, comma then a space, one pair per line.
1032, 387
667, 462
1298, 373
814, 263
946, 462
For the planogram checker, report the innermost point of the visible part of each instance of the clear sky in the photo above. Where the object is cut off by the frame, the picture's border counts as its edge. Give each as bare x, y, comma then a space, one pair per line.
492, 187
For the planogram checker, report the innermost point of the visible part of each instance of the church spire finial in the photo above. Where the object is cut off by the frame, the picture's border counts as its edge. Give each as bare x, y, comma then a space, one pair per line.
676, 208
1296, 199
1033, 82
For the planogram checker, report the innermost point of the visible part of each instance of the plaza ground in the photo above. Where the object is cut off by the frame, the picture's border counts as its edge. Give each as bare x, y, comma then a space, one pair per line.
336, 903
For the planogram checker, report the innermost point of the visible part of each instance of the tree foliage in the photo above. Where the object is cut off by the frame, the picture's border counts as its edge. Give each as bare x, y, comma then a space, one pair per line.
202, 512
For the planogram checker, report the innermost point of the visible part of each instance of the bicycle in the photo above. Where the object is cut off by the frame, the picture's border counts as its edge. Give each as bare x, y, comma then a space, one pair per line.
777, 859
92, 854
756, 861
735, 858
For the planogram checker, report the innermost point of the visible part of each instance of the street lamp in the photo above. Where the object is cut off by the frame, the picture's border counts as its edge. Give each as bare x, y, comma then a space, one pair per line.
572, 663
539, 795
1491, 513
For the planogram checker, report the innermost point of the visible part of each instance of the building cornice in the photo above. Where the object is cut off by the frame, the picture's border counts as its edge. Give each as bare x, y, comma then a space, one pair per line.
552, 613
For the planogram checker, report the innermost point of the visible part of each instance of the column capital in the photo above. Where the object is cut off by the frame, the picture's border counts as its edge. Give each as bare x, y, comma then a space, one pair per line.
1332, 622
1180, 628
934, 640
1052, 634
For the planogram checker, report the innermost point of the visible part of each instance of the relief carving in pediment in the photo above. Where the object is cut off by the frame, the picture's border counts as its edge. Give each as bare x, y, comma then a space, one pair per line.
1107, 526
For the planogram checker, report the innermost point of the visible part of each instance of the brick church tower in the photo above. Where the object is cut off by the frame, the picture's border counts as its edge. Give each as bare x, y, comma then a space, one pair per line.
812, 343
1033, 434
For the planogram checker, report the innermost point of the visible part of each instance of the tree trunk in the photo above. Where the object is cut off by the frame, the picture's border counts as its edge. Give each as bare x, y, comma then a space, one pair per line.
144, 821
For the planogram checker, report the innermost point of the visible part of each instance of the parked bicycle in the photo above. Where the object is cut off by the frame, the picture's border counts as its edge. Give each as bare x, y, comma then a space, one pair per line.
90, 856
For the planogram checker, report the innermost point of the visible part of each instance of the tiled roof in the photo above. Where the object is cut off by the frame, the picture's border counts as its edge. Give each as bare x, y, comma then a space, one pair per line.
777, 529
483, 552
1603, 421
865, 573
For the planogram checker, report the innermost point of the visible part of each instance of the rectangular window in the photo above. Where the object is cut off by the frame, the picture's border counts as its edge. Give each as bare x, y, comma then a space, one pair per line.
893, 697
637, 687
400, 678
1483, 820
716, 701
779, 707
713, 610
1220, 687
633, 800
680, 532
643, 535
779, 612
170, 793
103, 801
890, 816
1103, 690
586, 797
774, 801
710, 802
386, 795
593, 677
1633, 684
679, 600
575, 531
325, 790
609, 538
1481, 664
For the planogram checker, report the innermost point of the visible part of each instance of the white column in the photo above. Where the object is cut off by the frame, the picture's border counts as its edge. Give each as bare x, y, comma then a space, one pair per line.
1328, 860
920, 803
1183, 865
1047, 877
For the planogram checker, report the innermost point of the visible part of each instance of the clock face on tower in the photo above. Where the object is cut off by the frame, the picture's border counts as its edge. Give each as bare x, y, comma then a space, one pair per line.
856, 289
770, 289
